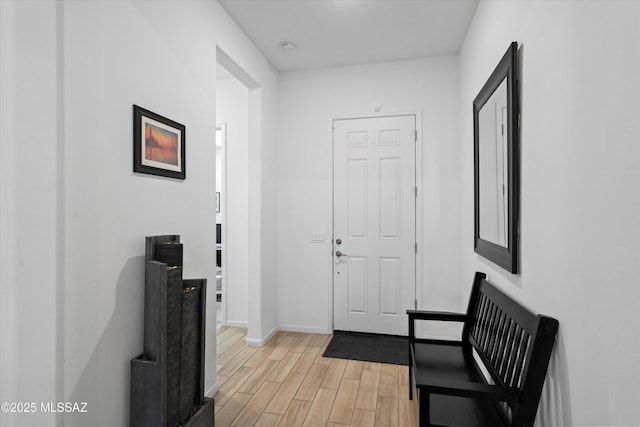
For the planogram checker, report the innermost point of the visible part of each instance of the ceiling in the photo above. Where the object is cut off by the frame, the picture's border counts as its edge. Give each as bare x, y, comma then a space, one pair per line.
331, 33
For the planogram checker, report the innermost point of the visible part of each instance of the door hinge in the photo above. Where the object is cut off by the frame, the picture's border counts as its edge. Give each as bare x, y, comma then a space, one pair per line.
416, 247
415, 135
416, 191
415, 304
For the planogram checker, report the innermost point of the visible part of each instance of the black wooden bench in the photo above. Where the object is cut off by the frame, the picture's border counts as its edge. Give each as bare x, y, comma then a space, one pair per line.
500, 337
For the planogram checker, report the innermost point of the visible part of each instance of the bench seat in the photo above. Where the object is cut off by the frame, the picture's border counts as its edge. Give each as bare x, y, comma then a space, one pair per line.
441, 366
492, 376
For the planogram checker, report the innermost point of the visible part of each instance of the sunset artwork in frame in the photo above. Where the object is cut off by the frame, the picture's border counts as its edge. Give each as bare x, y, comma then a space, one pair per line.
158, 145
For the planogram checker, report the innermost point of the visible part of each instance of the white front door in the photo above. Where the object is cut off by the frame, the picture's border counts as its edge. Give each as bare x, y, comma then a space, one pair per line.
374, 214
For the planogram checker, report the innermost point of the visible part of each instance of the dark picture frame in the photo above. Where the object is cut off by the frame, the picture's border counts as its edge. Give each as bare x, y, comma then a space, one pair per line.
159, 145
503, 251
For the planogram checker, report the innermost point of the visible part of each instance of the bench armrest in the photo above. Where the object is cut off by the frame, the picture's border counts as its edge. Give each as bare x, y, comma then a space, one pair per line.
436, 315
431, 315
472, 389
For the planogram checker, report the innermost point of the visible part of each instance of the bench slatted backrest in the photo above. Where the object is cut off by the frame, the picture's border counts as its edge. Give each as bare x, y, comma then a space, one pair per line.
514, 344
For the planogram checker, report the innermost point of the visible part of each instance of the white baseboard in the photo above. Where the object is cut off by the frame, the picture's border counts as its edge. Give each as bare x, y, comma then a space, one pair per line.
306, 329
252, 342
210, 392
236, 324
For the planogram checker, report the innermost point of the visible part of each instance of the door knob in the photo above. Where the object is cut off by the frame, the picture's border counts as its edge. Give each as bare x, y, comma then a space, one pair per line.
339, 254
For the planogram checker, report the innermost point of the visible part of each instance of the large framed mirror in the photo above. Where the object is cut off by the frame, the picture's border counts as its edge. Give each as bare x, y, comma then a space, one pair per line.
496, 140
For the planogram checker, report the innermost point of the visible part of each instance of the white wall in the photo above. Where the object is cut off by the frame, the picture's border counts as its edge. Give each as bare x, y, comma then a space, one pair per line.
307, 100
232, 109
74, 216
31, 263
263, 287
580, 204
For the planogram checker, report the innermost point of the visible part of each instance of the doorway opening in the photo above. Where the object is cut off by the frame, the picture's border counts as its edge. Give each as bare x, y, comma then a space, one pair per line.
232, 190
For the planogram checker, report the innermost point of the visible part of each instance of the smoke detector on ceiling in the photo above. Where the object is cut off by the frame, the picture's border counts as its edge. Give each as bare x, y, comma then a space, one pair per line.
287, 46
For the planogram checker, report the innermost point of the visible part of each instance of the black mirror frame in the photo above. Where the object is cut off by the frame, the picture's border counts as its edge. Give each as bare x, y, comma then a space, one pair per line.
505, 257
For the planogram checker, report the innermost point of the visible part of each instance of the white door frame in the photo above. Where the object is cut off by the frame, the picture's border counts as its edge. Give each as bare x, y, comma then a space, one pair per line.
222, 127
419, 200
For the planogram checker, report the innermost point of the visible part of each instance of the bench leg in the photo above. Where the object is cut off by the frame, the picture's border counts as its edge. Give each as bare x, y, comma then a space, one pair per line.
410, 384
410, 376
424, 409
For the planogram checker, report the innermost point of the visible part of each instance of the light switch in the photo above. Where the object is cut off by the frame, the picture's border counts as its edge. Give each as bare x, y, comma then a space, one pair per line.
317, 237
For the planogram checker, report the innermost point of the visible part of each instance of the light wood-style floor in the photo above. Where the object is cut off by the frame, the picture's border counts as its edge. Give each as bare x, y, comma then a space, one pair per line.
288, 383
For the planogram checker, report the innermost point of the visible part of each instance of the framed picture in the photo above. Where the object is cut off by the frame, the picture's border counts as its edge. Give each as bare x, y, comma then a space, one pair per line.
158, 145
